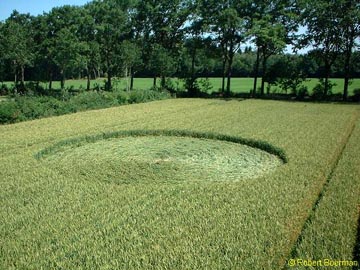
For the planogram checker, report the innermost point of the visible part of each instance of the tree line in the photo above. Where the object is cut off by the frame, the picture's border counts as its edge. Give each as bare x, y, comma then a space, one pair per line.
185, 38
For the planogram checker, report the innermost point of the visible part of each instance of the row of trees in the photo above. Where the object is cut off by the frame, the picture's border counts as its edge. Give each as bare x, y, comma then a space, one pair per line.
183, 37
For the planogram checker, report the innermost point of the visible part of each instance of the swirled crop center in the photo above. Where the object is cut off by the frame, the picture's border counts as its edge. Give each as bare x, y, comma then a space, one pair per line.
162, 158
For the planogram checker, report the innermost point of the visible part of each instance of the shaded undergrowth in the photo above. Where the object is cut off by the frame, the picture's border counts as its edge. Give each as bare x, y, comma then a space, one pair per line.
24, 108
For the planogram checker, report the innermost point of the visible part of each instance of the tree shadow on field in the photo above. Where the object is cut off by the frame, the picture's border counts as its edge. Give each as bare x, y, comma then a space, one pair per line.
334, 98
232, 99
356, 252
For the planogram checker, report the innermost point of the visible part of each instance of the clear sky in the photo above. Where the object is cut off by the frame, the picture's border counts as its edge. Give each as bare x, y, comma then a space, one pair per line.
34, 7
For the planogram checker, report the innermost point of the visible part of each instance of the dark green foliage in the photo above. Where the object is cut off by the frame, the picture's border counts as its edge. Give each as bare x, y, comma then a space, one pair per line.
228, 23
287, 72
34, 88
9, 112
350, 28
121, 97
323, 89
17, 44
36, 107
113, 28
271, 27
301, 92
32, 107
160, 27
140, 96
192, 86
182, 38
324, 32
172, 86
92, 100
4, 90
205, 85
356, 96
162, 63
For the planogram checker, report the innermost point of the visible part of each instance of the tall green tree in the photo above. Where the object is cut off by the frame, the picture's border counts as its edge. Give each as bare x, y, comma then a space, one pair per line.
89, 48
17, 44
227, 22
162, 63
113, 26
193, 43
196, 58
2, 54
62, 43
287, 72
41, 68
66, 53
323, 25
56, 39
350, 32
273, 23
162, 30
270, 40
130, 58
244, 63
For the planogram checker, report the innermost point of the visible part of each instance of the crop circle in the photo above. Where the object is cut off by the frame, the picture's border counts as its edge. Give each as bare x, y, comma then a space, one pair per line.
160, 157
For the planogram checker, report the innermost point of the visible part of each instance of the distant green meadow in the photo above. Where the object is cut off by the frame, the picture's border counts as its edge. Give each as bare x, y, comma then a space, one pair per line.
238, 85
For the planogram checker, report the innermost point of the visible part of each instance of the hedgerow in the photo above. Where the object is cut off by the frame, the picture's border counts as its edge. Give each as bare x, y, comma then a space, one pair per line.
22, 108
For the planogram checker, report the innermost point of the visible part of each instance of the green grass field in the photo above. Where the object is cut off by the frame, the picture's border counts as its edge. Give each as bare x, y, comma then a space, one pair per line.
244, 85
239, 85
102, 197
3, 98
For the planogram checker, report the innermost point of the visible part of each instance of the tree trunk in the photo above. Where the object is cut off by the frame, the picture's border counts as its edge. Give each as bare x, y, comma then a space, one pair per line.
326, 86
127, 79
327, 76
193, 65
192, 78
154, 82
256, 72
346, 85
88, 79
263, 76
15, 74
228, 86
229, 73
108, 62
132, 79
15, 79
347, 70
163, 80
223, 76
108, 85
62, 82
22, 75
50, 80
